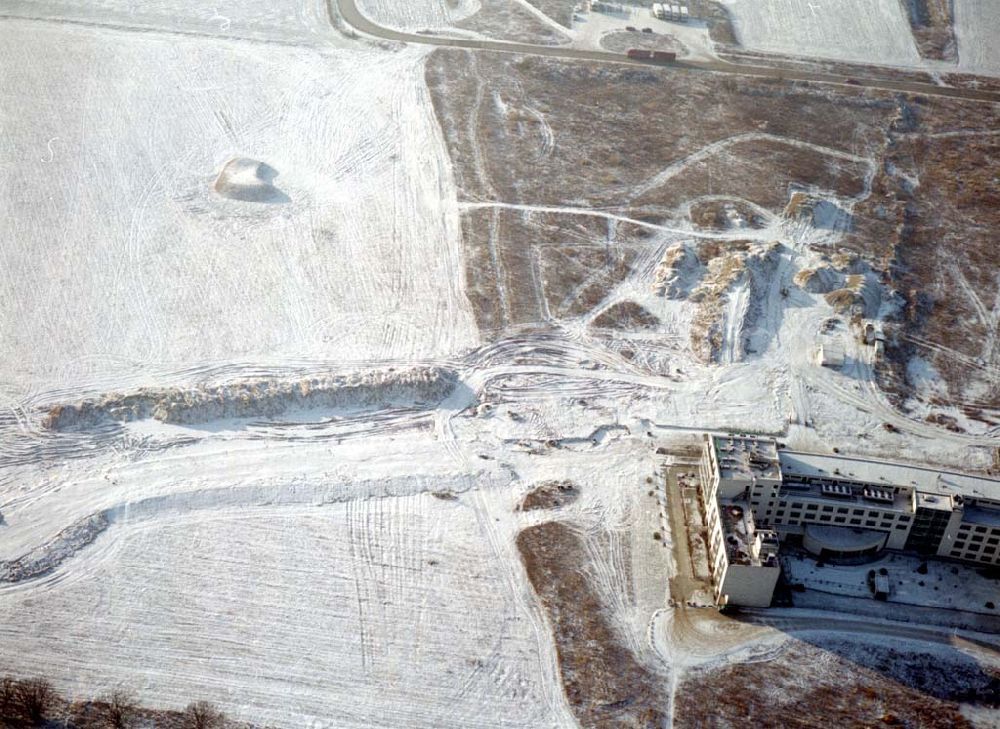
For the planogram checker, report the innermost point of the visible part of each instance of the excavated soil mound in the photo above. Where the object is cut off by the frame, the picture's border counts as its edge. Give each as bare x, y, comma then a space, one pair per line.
249, 180
625, 315
415, 386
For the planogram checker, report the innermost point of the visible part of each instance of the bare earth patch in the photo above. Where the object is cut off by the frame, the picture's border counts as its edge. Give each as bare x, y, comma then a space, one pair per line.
604, 682
623, 40
932, 23
836, 684
506, 20
625, 315
549, 495
640, 143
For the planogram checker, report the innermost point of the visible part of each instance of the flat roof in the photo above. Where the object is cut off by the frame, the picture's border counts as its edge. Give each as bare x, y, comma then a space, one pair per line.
888, 473
742, 456
739, 532
900, 502
941, 502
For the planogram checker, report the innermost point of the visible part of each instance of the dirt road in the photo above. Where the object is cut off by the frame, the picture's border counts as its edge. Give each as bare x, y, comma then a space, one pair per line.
349, 11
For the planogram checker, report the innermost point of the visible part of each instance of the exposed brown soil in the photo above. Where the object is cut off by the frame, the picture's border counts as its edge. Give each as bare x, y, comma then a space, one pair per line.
819, 65
625, 316
839, 685
605, 684
549, 495
716, 16
971, 81
932, 23
935, 239
575, 279
715, 214
535, 131
560, 11
622, 41
527, 269
608, 129
759, 171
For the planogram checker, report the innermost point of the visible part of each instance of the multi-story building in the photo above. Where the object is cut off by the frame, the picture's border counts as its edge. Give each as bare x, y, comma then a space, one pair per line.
847, 508
743, 559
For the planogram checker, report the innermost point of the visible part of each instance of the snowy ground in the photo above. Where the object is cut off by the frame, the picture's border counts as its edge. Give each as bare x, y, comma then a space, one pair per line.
141, 266
284, 21
371, 582
874, 31
389, 612
977, 27
344, 567
417, 15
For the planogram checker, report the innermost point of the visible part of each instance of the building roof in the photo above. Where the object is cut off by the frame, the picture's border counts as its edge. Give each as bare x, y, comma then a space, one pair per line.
939, 502
861, 470
746, 457
859, 497
739, 533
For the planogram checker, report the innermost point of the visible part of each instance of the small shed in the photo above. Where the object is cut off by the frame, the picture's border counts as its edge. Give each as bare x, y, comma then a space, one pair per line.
830, 355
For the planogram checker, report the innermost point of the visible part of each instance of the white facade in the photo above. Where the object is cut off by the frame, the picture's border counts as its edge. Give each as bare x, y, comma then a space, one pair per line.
742, 558
878, 505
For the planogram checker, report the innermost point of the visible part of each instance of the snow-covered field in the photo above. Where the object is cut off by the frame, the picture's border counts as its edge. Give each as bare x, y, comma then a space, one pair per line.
119, 258
977, 27
287, 21
418, 15
368, 583
375, 612
340, 566
875, 31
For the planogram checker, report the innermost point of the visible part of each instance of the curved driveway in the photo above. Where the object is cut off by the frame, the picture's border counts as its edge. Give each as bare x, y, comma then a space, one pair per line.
352, 16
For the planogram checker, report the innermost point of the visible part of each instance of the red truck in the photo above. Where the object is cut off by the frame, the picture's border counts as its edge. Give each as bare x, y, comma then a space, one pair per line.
643, 55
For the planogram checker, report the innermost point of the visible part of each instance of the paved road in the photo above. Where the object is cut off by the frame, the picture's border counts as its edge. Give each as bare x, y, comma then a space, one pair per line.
353, 17
789, 620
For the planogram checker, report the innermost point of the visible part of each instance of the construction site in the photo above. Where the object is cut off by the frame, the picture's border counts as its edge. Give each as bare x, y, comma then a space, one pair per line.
371, 364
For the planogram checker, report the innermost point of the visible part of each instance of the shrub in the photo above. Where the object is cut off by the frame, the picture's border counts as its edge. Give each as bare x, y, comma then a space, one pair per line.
119, 709
202, 715
35, 696
8, 698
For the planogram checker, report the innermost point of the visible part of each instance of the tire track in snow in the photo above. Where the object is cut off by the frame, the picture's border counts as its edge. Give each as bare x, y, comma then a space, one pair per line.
675, 168
761, 235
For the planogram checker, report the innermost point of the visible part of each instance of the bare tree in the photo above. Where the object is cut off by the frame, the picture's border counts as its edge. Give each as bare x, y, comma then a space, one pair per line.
202, 715
35, 696
119, 709
8, 698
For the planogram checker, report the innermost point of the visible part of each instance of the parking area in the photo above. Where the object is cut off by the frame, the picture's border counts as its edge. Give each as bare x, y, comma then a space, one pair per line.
912, 581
